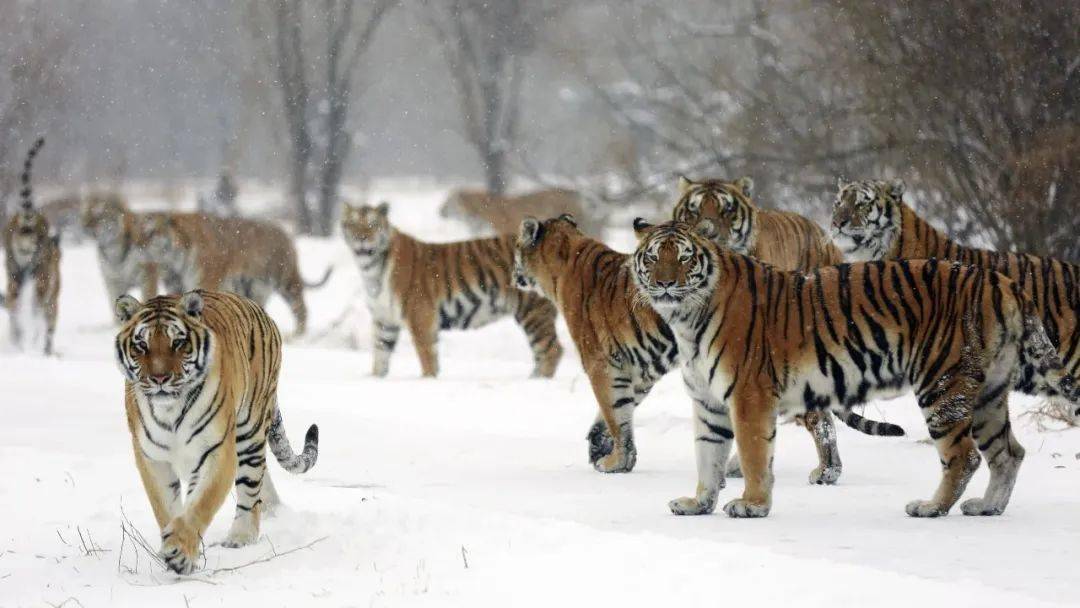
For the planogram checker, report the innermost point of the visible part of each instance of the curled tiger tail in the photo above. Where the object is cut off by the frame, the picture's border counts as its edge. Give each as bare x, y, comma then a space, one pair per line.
283, 452
870, 427
26, 194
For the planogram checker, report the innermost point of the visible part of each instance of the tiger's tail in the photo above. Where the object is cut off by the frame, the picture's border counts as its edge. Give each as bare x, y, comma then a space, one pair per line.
26, 194
283, 452
870, 427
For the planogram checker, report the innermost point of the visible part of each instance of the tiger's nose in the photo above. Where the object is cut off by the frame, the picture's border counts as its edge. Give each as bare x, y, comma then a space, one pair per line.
159, 378
665, 284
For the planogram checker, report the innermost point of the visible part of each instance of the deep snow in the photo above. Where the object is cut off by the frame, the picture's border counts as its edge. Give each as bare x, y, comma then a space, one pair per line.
474, 489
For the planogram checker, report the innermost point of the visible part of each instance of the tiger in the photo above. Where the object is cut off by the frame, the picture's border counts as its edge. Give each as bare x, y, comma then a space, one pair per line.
870, 221
483, 211
200, 395
243, 256
625, 347
32, 261
434, 286
724, 212
120, 246
758, 341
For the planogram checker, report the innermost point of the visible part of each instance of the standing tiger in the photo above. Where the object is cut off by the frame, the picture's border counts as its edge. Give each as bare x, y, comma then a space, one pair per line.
120, 246
247, 257
757, 341
435, 286
871, 222
200, 392
32, 262
724, 212
625, 347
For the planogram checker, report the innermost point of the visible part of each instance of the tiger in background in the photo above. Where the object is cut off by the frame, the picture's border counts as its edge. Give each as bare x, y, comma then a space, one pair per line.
429, 287
483, 211
243, 256
757, 341
723, 212
120, 246
200, 393
32, 262
870, 221
624, 346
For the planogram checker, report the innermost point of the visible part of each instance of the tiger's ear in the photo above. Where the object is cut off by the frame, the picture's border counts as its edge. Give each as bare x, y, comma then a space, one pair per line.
529, 232
569, 218
746, 185
125, 307
684, 184
192, 304
383, 208
896, 188
840, 183
641, 226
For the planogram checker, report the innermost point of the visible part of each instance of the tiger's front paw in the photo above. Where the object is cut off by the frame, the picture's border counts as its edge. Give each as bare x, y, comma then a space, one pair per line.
742, 508
688, 505
827, 476
925, 508
618, 461
979, 506
179, 546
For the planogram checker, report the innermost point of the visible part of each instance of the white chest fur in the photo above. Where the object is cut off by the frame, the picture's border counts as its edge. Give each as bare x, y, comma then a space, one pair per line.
178, 431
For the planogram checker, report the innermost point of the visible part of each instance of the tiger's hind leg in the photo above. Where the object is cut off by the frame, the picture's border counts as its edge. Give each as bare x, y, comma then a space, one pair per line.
250, 476
293, 293
713, 437
536, 317
993, 434
822, 430
948, 415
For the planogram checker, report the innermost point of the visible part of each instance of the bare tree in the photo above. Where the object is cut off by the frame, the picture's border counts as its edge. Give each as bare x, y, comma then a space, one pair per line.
315, 57
485, 43
981, 103
726, 88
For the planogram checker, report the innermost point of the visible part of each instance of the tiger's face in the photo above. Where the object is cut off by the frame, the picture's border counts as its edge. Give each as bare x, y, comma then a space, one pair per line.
673, 266
366, 229
29, 233
163, 347
539, 244
719, 210
866, 218
103, 218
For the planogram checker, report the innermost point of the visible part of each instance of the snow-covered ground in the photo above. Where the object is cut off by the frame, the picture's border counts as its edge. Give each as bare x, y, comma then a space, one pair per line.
474, 489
